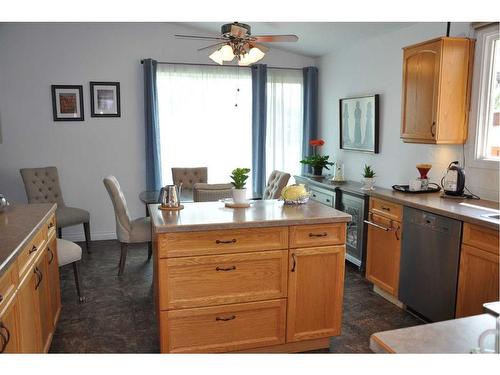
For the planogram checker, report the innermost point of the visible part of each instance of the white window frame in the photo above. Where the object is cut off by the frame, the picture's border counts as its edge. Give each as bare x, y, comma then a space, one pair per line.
479, 98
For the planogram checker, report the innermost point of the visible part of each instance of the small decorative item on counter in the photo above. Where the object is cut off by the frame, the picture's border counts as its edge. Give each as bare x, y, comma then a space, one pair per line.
423, 169
239, 177
295, 194
317, 162
368, 178
338, 175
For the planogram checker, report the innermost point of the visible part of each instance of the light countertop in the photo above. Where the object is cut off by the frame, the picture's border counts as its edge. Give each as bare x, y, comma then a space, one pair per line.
262, 213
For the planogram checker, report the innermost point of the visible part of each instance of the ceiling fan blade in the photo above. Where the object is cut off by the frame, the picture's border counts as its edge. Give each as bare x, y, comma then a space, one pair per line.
211, 46
199, 37
238, 31
275, 38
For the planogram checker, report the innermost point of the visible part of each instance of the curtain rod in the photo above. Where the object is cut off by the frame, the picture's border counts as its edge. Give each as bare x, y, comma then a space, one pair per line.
223, 66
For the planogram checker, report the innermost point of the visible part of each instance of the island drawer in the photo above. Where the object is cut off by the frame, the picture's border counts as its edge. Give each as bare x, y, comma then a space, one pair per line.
223, 328
317, 235
181, 244
8, 284
481, 237
385, 208
31, 250
222, 279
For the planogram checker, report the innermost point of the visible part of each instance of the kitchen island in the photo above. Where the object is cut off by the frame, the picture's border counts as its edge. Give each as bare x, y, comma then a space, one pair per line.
268, 278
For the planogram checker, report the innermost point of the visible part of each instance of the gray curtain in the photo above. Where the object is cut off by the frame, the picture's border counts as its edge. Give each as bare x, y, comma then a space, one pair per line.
310, 126
153, 161
259, 115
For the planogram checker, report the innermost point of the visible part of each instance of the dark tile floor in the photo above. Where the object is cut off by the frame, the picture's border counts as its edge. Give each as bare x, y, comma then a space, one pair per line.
118, 316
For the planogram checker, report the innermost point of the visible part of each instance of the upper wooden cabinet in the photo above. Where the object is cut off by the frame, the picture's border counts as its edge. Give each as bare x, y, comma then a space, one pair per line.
436, 88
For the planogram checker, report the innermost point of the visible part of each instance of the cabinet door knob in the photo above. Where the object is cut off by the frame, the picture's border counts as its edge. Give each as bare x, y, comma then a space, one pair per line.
225, 319
225, 241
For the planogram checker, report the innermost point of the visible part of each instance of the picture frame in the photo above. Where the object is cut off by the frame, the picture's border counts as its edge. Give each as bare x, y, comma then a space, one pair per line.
105, 99
67, 102
359, 123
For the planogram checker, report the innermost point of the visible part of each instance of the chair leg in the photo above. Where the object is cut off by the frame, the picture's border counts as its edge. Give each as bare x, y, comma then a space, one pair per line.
59, 232
86, 228
123, 258
78, 282
150, 250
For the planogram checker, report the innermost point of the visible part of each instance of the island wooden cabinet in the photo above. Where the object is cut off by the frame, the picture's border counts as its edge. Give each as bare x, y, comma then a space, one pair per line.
260, 289
384, 245
436, 90
478, 274
9, 327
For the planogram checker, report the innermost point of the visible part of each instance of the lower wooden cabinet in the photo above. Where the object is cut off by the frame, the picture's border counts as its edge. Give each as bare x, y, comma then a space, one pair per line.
30, 334
477, 282
53, 281
315, 292
46, 319
9, 327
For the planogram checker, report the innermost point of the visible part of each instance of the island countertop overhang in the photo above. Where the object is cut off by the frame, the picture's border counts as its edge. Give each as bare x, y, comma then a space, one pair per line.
204, 216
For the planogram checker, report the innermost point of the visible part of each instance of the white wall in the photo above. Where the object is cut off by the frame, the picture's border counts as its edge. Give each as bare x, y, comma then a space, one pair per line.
34, 56
374, 66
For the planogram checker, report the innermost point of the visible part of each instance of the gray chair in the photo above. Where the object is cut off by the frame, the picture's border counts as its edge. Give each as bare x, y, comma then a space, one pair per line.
42, 186
127, 230
189, 176
70, 253
211, 192
275, 184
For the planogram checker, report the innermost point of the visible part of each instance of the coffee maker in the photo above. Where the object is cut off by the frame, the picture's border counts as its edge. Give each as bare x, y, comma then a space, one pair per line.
453, 182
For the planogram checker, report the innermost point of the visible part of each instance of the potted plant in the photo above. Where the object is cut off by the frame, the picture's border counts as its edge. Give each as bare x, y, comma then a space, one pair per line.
239, 177
317, 162
368, 178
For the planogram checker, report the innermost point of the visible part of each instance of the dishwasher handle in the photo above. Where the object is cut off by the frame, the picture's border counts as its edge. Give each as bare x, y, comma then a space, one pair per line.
377, 225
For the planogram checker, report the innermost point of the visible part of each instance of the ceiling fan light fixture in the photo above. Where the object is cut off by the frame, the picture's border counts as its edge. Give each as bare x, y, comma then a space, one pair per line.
256, 54
217, 57
226, 52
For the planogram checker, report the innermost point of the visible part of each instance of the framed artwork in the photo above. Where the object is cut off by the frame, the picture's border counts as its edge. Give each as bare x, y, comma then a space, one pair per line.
359, 123
105, 99
67, 102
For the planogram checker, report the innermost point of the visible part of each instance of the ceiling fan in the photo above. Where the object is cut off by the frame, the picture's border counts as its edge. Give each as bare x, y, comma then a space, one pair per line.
237, 41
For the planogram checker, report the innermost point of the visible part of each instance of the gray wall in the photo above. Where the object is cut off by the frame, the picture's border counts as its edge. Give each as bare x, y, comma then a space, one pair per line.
374, 66
34, 56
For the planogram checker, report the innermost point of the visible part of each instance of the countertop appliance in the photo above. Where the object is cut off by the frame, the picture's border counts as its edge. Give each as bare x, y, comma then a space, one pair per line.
429, 264
454, 181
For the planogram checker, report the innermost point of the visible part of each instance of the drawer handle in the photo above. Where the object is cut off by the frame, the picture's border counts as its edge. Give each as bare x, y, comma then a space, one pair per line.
386, 208
40, 274
50, 226
1, 298
225, 319
225, 241
376, 225
51, 255
324, 234
232, 268
294, 262
33, 249
6, 338
328, 200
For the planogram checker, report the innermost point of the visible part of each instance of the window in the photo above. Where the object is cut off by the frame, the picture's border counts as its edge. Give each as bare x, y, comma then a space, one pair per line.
284, 120
486, 109
205, 117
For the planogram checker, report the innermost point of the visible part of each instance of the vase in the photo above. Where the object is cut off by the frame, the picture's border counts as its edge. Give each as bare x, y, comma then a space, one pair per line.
239, 196
368, 183
317, 170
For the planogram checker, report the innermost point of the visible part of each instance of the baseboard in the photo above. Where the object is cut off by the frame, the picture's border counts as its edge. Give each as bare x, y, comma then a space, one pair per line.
77, 235
388, 297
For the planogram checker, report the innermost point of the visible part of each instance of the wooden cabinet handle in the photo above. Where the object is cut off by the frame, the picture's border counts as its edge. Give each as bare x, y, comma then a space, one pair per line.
433, 126
5, 338
225, 241
324, 234
50, 226
40, 275
225, 319
396, 232
33, 249
51, 255
232, 268
1, 298
386, 208
294, 262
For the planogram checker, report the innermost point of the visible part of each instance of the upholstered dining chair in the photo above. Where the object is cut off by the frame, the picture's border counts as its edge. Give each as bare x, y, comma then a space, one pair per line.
275, 184
42, 186
211, 192
127, 230
70, 253
189, 176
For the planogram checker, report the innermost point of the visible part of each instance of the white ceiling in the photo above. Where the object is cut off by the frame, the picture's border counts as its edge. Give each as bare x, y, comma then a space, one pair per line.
315, 38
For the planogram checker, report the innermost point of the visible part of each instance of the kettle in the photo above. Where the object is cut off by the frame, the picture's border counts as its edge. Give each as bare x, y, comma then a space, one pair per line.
453, 182
170, 196
3, 203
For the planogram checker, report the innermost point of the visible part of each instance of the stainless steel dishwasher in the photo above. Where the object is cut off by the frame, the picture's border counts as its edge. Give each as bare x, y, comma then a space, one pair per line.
429, 264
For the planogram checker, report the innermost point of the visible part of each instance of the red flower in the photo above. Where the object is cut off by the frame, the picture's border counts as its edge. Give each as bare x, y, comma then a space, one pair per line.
316, 142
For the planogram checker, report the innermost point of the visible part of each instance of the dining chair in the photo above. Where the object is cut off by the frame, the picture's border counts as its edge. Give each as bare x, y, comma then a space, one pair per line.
211, 192
70, 253
42, 186
275, 184
188, 177
127, 230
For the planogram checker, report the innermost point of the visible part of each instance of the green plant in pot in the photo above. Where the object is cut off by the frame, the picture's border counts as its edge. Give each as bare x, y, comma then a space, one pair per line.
317, 162
368, 178
239, 177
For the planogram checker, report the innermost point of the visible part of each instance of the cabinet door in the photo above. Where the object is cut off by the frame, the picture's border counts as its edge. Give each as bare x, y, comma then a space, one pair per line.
354, 206
29, 313
9, 327
315, 292
477, 280
43, 294
383, 253
420, 91
53, 281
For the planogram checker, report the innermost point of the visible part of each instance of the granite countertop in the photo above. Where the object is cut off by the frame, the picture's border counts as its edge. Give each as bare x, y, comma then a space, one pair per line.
470, 211
18, 224
262, 213
451, 336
